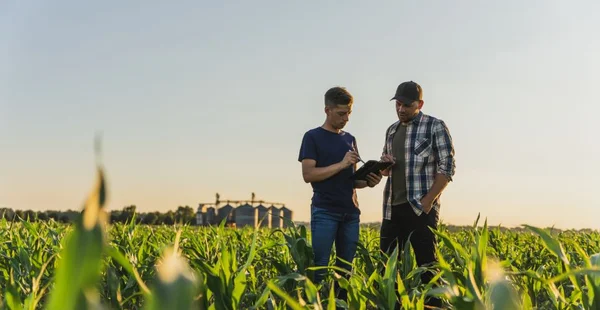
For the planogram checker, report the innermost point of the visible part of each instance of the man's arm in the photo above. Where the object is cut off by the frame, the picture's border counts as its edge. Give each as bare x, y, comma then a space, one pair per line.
372, 180
444, 154
311, 173
360, 184
388, 158
444, 150
439, 184
309, 155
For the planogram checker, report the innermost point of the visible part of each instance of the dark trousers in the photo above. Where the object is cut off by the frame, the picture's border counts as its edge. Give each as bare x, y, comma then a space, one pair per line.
329, 227
395, 232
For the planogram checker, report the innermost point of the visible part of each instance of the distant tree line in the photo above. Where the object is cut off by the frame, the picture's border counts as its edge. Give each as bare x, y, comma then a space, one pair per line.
182, 215
457, 228
187, 215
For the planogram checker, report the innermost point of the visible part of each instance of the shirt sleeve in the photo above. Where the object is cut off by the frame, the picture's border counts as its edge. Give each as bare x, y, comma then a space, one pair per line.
444, 150
308, 148
385, 142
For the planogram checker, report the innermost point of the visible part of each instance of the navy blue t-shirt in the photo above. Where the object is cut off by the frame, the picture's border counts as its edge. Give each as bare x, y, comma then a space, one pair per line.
337, 193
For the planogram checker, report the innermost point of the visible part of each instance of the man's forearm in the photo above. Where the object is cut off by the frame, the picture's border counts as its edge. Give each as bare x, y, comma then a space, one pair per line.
318, 174
386, 172
360, 184
439, 184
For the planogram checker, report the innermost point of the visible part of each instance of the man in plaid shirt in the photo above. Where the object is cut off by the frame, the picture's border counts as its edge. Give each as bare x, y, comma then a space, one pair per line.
423, 154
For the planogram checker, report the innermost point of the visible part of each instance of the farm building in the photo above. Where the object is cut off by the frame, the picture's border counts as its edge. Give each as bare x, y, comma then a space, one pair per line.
225, 212
286, 214
210, 215
205, 215
263, 216
201, 216
246, 213
275, 214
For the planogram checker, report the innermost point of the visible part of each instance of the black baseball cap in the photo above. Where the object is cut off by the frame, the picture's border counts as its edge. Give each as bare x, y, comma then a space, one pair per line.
408, 92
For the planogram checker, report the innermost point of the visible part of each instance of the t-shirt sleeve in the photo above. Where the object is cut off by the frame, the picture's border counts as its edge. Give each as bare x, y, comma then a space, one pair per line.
308, 148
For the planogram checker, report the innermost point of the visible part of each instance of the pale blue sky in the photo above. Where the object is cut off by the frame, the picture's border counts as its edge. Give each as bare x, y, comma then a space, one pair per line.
196, 98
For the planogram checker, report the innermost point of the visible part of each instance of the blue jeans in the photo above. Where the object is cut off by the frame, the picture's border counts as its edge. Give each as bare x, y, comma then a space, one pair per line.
328, 227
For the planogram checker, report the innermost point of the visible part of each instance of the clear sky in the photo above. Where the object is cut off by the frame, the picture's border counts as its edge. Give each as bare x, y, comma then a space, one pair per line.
194, 98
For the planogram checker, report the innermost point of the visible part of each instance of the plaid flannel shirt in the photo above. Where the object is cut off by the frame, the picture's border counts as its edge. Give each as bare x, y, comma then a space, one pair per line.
428, 151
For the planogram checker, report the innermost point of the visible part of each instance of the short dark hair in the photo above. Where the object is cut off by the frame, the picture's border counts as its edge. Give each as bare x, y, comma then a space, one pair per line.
338, 95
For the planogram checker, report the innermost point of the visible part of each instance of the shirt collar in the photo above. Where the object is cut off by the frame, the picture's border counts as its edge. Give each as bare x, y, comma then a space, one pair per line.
414, 121
417, 118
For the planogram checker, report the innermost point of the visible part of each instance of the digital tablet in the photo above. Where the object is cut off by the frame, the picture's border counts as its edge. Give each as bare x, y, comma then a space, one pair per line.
370, 166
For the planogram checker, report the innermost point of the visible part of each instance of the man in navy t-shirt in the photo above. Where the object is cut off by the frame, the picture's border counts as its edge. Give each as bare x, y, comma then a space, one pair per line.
329, 156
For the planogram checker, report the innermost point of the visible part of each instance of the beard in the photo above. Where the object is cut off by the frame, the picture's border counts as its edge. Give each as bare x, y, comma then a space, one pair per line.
405, 117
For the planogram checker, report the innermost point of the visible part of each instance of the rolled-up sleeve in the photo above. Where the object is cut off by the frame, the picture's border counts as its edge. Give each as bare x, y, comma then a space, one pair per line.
444, 149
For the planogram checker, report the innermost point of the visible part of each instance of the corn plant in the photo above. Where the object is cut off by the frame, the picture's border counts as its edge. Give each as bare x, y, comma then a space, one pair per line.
91, 264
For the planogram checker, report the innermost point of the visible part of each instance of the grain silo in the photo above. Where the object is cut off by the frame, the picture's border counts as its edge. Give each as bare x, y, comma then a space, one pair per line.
275, 216
262, 215
200, 216
245, 215
225, 212
287, 215
210, 216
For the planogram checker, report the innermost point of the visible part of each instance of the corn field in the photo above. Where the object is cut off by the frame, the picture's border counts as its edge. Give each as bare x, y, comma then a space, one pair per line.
93, 265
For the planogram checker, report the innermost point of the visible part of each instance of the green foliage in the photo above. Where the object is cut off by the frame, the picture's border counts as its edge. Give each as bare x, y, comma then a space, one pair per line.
91, 264
55, 265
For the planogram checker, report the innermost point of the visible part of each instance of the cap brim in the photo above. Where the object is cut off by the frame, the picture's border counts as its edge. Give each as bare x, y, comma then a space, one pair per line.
401, 99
